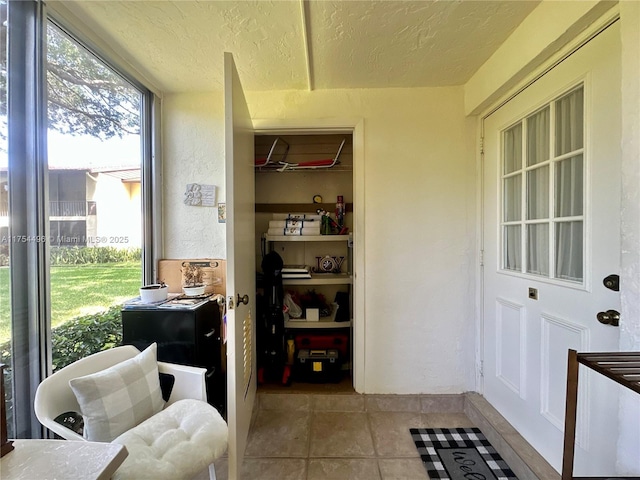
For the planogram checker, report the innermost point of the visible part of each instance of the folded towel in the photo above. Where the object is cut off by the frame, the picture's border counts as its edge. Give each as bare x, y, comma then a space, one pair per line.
293, 231
293, 223
297, 216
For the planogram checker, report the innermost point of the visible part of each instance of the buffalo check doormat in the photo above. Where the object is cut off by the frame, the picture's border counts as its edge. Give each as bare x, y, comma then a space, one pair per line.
459, 454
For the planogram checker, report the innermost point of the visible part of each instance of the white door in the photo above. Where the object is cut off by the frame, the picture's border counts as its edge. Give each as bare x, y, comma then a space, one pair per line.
239, 164
551, 223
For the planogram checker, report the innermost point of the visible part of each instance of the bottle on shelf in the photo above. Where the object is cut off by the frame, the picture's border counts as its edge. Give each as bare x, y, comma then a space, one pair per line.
340, 211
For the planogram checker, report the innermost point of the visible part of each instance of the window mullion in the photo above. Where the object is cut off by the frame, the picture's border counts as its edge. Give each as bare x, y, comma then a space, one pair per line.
552, 190
27, 194
523, 201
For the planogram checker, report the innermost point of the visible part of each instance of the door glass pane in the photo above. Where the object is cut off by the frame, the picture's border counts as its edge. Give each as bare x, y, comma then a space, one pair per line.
569, 187
512, 248
512, 144
5, 278
512, 198
569, 248
538, 193
95, 204
569, 122
538, 249
538, 132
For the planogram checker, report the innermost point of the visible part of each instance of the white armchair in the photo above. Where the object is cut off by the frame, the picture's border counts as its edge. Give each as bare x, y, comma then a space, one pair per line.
182, 425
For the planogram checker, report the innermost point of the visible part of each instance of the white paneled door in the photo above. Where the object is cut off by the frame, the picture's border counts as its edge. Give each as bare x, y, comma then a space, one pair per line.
241, 286
551, 235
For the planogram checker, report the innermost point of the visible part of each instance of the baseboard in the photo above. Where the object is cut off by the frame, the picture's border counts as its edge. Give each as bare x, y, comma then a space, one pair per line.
523, 459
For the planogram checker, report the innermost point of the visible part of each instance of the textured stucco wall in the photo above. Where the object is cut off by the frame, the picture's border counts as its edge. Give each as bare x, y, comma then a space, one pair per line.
419, 219
193, 150
629, 439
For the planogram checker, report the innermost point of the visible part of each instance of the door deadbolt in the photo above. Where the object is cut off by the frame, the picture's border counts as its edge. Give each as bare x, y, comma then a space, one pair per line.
612, 282
610, 317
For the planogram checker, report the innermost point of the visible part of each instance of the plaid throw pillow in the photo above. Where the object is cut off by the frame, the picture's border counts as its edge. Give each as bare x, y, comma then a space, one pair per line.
117, 399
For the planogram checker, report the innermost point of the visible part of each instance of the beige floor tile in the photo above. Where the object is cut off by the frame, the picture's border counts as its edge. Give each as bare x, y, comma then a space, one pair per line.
448, 420
278, 433
222, 468
274, 468
343, 469
339, 403
340, 434
284, 401
391, 435
402, 469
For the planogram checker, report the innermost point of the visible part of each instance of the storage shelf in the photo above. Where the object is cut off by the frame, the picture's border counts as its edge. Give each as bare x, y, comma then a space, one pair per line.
301, 323
299, 207
321, 279
307, 238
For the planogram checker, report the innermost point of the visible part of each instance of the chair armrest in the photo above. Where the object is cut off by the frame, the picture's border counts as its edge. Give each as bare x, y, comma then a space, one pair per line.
189, 381
61, 430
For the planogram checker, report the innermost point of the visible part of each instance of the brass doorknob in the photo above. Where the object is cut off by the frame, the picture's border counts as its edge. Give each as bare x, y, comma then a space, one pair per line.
244, 299
610, 317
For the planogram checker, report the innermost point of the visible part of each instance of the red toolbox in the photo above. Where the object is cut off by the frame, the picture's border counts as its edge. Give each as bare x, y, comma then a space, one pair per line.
337, 341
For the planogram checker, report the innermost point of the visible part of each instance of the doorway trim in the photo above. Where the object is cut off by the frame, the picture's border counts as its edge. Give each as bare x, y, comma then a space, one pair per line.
354, 126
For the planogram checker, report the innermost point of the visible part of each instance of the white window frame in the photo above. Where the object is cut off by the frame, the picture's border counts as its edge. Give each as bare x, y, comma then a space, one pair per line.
552, 220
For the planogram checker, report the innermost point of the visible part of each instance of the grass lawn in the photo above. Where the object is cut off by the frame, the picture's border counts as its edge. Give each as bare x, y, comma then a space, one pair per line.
79, 290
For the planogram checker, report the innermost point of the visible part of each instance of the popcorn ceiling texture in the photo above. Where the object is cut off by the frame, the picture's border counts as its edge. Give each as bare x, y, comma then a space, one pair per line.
353, 44
406, 44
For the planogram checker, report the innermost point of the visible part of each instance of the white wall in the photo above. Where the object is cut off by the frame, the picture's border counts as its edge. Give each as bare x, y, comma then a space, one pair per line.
193, 151
549, 28
629, 439
419, 190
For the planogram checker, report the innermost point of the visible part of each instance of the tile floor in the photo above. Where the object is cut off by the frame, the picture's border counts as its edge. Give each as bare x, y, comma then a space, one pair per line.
341, 436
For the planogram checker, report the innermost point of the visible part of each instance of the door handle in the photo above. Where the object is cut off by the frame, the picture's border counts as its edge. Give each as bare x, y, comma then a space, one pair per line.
244, 299
610, 317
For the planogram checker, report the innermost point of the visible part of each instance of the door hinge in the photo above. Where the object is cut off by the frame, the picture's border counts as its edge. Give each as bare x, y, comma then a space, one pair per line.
481, 145
482, 258
481, 368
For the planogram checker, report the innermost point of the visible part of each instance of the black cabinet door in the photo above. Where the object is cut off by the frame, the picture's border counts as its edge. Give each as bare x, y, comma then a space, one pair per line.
185, 337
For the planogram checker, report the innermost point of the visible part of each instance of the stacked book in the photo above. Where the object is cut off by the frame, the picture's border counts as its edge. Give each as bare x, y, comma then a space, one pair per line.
296, 271
294, 224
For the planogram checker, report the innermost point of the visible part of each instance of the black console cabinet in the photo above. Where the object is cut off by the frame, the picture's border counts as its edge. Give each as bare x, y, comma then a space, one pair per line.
185, 337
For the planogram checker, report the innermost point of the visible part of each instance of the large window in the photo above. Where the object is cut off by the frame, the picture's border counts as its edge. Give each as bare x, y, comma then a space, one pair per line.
542, 219
78, 175
94, 162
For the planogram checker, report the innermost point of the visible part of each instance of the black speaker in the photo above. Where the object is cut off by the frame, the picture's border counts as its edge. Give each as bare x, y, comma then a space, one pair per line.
343, 314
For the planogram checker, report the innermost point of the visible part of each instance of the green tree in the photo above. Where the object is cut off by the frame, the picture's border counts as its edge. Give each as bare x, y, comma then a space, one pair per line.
84, 95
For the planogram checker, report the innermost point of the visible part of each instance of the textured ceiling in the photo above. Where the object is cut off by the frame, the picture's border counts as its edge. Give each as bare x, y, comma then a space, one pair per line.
349, 44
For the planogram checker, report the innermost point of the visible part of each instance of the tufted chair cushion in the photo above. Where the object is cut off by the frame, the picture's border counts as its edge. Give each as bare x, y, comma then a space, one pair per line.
177, 443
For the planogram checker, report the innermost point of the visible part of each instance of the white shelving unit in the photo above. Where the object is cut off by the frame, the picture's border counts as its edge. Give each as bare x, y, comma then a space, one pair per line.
317, 279
313, 325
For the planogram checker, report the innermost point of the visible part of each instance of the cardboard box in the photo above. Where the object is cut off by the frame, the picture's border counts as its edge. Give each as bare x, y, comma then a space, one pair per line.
213, 270
312, 314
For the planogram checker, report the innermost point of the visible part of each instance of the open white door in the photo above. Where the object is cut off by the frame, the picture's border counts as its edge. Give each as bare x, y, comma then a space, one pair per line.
551, 230
241, 282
